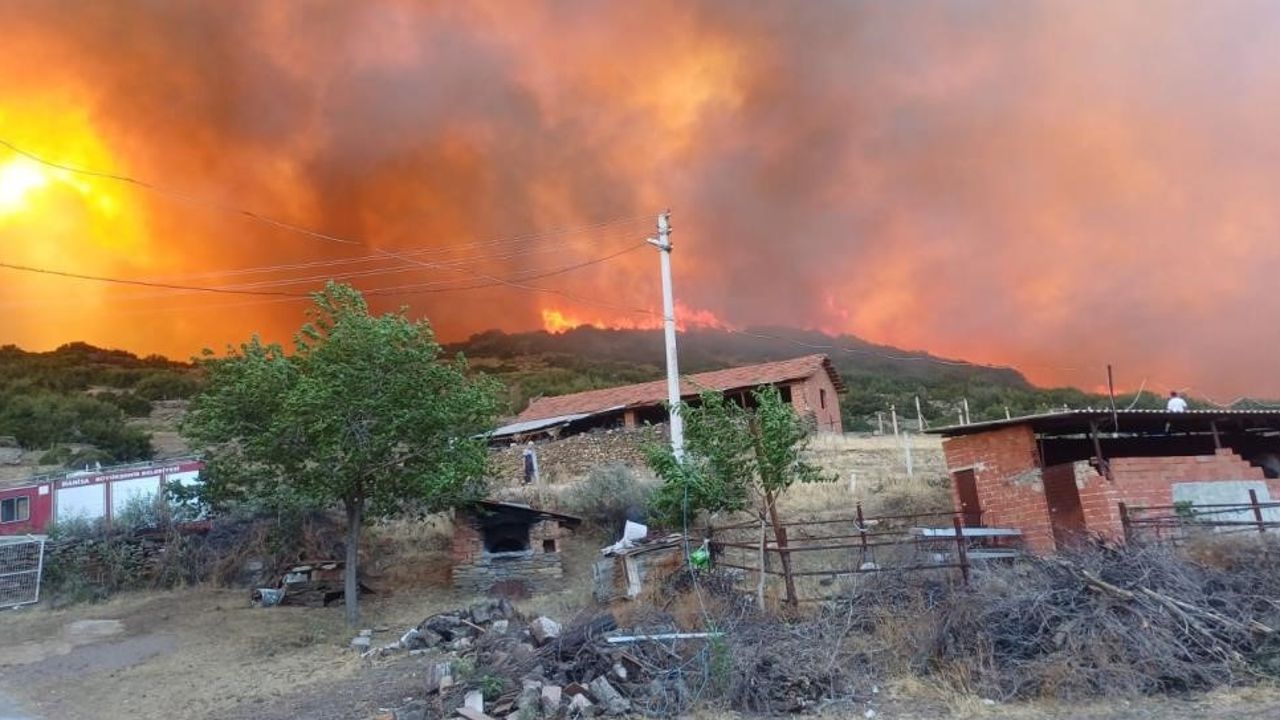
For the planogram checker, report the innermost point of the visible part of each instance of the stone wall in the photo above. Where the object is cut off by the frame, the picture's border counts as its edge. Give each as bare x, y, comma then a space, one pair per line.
571, 458
518, 574
530, 573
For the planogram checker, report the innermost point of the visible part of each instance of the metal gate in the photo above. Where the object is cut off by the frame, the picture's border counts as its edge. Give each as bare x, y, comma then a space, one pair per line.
21, 564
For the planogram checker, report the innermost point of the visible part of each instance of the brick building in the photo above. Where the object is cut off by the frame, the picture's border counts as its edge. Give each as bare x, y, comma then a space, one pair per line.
507, 549
1060, 476
810, 383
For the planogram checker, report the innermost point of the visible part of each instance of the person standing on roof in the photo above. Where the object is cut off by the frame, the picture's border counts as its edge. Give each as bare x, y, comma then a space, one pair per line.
1175, 404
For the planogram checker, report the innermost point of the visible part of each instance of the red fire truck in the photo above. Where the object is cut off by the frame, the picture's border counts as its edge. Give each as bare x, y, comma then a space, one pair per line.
88, 494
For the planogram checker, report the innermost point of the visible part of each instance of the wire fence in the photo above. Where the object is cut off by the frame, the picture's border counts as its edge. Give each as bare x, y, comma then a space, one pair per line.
1180, 521
814, 561
21, 565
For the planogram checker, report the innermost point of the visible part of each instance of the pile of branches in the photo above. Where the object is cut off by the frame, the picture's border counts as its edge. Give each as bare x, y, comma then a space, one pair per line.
1141, 620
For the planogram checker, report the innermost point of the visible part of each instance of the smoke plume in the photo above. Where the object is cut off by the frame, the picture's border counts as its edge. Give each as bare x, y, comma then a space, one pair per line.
1052, 185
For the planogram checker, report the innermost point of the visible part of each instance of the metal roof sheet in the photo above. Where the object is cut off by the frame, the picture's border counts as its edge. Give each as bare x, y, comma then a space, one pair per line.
1079, 421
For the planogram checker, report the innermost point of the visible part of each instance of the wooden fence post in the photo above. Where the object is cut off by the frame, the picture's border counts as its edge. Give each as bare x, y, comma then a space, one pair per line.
1125, 524
862, 534
961, 551
1257, 511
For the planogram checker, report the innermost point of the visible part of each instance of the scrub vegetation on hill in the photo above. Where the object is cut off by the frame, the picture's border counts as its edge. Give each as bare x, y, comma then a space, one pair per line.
82, 395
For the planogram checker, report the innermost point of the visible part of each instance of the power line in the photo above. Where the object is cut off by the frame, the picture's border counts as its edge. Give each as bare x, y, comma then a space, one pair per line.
145, 283
261, 217
280, 293
413, 252
226, 207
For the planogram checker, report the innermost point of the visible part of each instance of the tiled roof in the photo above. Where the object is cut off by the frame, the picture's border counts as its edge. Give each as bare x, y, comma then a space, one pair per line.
654, 393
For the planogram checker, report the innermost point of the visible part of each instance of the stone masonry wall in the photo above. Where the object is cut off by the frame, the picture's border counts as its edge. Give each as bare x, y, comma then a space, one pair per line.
532, 573
573, 457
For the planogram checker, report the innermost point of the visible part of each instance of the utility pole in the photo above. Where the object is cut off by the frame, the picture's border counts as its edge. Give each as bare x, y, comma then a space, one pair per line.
966, 410
663, 243
880, 421
1111, 395
919, 415
893, 412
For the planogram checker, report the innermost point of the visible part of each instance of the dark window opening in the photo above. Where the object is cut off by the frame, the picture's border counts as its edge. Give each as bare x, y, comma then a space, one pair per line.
822, 398
651, 415
548, 546
16, 509
785, 393
508, 538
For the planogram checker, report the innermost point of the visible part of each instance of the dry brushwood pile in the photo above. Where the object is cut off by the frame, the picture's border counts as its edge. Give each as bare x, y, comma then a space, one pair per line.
1102, 622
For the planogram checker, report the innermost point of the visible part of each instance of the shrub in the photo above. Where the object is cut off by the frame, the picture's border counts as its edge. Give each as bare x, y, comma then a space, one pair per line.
609, 496
129, 403
167, 386
42, 419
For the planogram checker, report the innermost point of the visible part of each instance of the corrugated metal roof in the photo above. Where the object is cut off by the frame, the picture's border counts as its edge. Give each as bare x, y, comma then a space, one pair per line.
655, 393
1129, 420
499, 507
525, 426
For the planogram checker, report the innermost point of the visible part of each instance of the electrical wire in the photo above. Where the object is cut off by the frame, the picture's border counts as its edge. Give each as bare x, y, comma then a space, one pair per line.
235, 291
1138, 395
222, 206
145, 283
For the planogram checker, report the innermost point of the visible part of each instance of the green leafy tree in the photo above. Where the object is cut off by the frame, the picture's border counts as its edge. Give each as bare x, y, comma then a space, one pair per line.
364, 413
736, 459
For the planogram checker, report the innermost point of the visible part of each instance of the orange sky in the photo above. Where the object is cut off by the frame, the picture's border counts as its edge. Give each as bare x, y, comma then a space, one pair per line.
1048, 185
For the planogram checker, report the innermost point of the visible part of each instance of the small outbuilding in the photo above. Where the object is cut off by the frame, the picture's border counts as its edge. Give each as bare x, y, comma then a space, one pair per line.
1062, 476
509, 549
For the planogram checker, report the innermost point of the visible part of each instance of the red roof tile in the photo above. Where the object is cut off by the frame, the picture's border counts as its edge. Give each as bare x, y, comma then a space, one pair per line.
654, 393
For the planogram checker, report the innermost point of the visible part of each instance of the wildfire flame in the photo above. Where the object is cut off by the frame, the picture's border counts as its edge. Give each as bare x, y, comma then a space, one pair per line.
556, 320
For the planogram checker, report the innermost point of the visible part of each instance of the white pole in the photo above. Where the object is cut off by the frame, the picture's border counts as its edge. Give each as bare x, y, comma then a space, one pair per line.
1007, 416
880, 421
906, 446
919, 415
663, 243
966, 411
893, 412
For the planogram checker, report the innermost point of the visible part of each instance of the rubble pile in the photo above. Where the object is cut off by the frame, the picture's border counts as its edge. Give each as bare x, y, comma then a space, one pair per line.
487, 661
493, 664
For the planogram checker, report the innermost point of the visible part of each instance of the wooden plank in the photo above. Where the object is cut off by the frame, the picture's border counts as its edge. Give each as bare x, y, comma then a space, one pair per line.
967, 532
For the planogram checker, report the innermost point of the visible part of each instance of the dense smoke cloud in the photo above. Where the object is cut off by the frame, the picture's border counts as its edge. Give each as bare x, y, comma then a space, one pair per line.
1050, 185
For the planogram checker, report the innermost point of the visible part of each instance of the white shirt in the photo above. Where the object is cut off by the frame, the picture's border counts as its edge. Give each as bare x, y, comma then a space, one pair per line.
1176, 404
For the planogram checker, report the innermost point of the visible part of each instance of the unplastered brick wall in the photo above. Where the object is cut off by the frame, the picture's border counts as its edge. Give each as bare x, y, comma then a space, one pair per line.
572, 457
1006, 468
1100, 498
1148, 481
